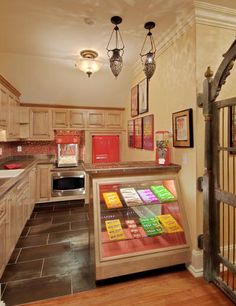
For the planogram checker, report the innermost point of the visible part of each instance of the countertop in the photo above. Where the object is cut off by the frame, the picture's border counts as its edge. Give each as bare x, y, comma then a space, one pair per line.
128, 167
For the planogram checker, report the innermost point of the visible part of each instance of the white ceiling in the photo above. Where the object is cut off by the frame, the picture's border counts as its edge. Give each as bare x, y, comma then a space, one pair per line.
60, 29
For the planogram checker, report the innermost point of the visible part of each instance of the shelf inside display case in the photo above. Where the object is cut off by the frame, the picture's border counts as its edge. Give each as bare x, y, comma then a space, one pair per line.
139, 216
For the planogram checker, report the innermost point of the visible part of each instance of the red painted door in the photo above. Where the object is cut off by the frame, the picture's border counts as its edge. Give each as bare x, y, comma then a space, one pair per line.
106, 149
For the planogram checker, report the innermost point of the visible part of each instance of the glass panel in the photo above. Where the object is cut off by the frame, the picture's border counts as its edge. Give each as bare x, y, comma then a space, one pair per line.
137, 217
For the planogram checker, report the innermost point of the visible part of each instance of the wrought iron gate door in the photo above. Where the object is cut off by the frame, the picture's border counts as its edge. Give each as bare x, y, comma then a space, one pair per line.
219, 180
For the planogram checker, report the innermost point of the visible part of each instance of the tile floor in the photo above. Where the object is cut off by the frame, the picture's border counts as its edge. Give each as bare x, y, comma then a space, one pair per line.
51, 257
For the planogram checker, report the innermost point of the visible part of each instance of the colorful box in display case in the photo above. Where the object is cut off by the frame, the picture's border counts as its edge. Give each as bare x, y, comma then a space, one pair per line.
138, 236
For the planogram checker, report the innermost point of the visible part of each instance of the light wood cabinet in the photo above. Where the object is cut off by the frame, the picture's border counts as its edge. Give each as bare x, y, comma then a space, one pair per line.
3, 106
13, 125
60, 118
11, 222
41, 124
114, 119
24, 122
77, 119
32, 190
43, 182
96, 119
2, 235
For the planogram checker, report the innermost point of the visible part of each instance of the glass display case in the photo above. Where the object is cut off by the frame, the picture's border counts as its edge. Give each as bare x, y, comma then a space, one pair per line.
139, 224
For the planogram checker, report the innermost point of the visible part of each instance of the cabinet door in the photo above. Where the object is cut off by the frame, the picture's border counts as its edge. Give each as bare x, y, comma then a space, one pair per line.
32, 189
24, 122
3, 106
96, 119
114, 119
2, 236
41, 124
60, 118
76, 118
11, 228
13, 130
43, 183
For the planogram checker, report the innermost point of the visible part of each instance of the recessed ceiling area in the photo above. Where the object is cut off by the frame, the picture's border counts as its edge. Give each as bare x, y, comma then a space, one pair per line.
40, 41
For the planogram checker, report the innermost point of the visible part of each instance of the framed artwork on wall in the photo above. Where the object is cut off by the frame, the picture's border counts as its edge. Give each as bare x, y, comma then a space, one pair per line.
138, 133
134, 101
182, 125
148, 132
131, 133
143, 96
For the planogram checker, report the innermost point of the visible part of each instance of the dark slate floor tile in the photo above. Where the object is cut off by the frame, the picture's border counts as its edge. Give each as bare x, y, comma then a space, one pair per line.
25, 231
44, 251
53, 213
38, 221
25, 270
33, 215
14, 255
81, 241
73, 236
65, 263
3, 287
20, 292
83, 224
70, 218
43, 208
34, 240
48, 228
82, 280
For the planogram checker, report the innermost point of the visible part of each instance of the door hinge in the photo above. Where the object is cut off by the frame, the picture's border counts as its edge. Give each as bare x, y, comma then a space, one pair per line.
200, 241
200, 183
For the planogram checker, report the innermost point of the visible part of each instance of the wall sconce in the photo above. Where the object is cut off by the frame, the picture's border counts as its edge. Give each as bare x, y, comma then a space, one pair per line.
148, 58
115, 55
88, 62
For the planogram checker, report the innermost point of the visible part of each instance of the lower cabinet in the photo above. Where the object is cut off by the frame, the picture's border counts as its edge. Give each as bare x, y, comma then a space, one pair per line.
15, 209
2, 235
43, 183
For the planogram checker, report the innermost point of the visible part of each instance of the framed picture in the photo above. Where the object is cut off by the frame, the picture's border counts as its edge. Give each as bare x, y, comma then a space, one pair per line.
143, 96
148, 132
138, 133
131, 133
182, 125
134, 101
232, 128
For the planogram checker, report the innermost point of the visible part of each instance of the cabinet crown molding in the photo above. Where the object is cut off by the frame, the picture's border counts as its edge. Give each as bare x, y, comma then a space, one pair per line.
9, 86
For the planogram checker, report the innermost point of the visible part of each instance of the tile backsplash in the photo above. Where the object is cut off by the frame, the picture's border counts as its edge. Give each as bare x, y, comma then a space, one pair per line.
39, 147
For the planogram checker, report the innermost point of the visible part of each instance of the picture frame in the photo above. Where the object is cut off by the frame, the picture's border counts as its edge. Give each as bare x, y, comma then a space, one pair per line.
134, 101
182, 126
143, 96
131, 133
138, 133
148, 132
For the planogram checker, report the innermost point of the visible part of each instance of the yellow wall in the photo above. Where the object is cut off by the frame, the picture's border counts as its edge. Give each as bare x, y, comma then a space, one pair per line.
172, 89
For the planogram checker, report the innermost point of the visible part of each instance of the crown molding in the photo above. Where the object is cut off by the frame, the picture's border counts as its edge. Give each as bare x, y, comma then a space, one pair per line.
215, 15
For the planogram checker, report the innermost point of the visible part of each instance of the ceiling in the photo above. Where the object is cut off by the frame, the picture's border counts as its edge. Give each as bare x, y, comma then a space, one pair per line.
60, 29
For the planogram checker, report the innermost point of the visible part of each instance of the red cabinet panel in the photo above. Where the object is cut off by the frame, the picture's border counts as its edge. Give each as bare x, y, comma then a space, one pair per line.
106, 149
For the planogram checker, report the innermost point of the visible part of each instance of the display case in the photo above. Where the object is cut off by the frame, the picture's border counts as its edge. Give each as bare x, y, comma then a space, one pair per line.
138, 223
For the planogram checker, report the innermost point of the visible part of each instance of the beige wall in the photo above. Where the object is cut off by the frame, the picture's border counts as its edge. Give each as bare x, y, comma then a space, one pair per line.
171, 89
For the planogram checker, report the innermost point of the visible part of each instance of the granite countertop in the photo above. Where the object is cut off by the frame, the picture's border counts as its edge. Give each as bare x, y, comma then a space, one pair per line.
27, 163
133, 166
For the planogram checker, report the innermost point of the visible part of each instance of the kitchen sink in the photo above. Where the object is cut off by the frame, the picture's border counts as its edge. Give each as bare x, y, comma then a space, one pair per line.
10, 173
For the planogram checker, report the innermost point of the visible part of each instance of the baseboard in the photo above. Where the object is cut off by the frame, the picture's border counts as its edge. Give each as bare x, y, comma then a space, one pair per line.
196, 265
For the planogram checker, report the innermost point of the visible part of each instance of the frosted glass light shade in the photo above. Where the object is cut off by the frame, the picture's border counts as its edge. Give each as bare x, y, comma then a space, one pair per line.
88, 65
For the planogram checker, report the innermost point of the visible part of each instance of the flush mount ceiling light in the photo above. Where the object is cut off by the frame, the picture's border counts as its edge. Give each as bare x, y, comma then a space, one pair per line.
88, 62
115, 55
148, 57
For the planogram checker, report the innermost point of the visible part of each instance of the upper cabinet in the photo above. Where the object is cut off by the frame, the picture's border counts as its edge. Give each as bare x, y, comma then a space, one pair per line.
60, 118
41, 124
77, 118
114, 119
96, 119
9, 111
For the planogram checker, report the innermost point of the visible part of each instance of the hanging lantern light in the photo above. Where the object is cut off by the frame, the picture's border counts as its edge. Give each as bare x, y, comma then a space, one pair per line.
148, 58
115, 55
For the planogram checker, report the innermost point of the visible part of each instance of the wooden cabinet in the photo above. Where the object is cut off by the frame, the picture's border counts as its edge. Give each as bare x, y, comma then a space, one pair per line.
24, 122
96, 119
2, 235
3, 106
32, 189
60, 118
43, 182
41, 124
114, 119
77, 119
13, 125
